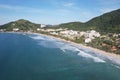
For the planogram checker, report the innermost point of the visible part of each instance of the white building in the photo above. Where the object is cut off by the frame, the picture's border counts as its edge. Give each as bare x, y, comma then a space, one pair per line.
50, 30
15, 29
89, 35
54, 33
82, 33
69, 32
92, 34
42, 25
64, 32
38, 29
87, 40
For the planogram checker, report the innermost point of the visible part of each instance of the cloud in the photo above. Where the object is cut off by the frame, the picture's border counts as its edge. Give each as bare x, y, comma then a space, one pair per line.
62, 14
19, 8
59, 11
70, 4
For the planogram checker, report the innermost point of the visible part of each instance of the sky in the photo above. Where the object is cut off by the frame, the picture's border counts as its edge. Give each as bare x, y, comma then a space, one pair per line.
54, 11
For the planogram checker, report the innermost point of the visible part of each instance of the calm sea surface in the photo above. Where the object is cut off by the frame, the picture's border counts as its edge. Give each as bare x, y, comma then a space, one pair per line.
35, 57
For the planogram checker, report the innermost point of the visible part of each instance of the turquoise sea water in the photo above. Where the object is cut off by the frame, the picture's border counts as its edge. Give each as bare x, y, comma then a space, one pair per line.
35, 57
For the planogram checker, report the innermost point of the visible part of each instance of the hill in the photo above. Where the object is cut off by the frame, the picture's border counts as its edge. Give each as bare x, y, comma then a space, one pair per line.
21, 24
108, 22
71, 25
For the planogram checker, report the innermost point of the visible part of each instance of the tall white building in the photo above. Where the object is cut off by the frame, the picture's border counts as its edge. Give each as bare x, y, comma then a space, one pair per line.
42, 25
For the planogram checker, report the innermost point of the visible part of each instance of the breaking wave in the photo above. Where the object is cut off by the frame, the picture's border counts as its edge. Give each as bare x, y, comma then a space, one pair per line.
81, 53
38, 37
65, 47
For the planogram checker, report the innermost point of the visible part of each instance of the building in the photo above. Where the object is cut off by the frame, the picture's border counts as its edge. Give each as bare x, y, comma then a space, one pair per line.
89, 35
38, 29
87, 40
42, 25
15, 29
92, 34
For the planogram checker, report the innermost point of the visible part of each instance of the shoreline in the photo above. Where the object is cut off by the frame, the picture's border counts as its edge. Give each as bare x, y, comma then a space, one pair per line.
111, 56
104, 53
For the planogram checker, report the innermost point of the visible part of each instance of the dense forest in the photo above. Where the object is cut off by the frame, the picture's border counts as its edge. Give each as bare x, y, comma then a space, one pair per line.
108, 22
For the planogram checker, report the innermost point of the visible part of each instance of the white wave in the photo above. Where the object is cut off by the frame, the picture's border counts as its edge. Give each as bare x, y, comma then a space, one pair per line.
54, 43
96, 59
47, 41
69, 47
48, 44
81, 53
117, 66
38, 37
44, 38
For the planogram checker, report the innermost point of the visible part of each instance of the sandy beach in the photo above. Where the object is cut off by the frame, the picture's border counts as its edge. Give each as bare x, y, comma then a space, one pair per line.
111, 55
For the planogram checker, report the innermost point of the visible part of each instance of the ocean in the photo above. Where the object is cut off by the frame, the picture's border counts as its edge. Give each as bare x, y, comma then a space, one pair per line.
38, 57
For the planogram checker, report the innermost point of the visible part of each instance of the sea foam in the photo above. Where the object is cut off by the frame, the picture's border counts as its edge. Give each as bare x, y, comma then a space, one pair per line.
81, 53
54, 43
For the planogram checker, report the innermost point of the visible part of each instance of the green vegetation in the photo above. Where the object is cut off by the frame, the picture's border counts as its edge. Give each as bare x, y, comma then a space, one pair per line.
79, 40
109, 22
72, 25
108, 43
21, 24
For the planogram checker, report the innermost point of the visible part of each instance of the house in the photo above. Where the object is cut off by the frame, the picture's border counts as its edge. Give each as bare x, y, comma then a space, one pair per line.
15, 29
54, 33
89, 35
38, 29
87, 40
42, 25
50, 30
69, 32
82, 33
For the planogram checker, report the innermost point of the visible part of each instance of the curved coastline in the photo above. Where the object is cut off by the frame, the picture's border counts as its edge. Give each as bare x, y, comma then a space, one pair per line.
111, 56
114, 58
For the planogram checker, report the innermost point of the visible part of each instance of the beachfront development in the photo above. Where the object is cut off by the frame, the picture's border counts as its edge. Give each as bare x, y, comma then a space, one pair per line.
59, 39
72, 34
102, 32
107, 42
